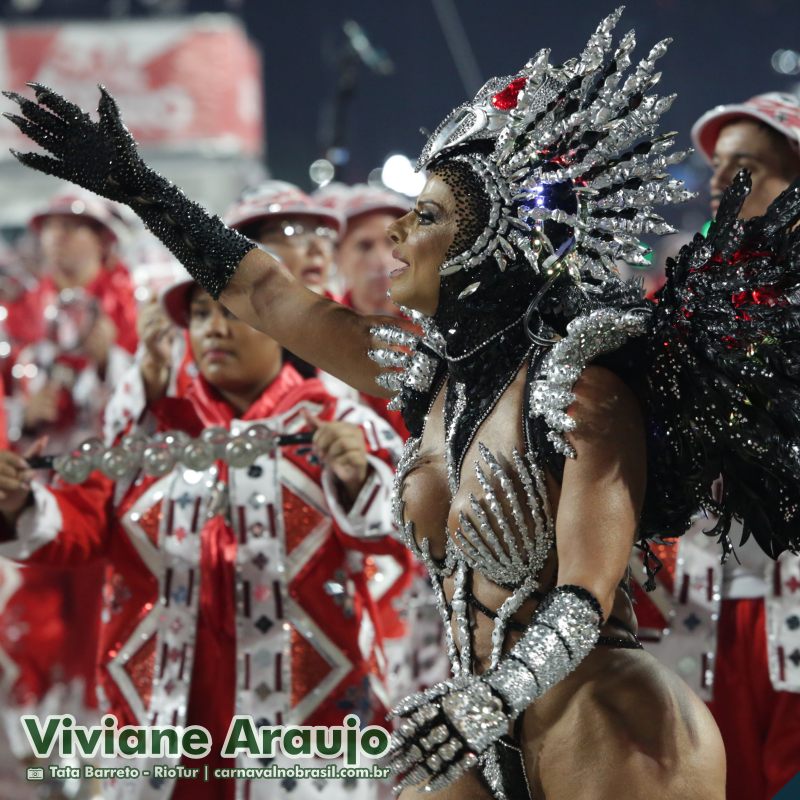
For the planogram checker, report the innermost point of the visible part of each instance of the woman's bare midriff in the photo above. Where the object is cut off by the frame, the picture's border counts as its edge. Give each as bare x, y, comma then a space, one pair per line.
621, 725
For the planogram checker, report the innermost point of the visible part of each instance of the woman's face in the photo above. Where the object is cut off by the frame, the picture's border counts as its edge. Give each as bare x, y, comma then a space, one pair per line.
422, 238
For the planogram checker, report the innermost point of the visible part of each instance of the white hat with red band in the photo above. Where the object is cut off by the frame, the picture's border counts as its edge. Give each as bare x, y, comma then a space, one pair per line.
272, 199
778, 110
80, 203
174, 300
353, 201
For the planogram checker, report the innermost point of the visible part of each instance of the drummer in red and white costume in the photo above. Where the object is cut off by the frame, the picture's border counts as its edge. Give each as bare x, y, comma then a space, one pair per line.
364, 256
49, 622
300, 232
231, 589
75, 333
733, 631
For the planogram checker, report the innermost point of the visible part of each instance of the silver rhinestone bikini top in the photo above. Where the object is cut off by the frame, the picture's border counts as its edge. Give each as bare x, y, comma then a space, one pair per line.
497, 544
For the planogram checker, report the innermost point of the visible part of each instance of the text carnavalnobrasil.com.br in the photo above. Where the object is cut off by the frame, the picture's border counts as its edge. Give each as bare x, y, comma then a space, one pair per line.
203, 773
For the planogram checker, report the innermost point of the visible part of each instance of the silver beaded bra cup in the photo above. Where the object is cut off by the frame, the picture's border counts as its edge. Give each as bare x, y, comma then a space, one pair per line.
501, 547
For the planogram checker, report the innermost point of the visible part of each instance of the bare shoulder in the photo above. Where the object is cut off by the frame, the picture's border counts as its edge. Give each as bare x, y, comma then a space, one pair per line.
604, 406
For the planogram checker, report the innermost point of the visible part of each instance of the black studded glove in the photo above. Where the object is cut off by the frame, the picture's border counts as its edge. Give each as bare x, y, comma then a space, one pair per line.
102, 157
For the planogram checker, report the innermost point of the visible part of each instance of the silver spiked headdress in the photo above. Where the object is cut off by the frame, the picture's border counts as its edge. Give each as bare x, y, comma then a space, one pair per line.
582, 124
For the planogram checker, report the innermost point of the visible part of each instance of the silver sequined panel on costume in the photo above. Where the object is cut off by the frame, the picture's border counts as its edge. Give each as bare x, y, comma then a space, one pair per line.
509, 549
402, 363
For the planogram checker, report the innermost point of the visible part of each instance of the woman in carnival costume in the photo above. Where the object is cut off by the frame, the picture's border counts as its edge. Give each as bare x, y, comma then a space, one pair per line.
556, 417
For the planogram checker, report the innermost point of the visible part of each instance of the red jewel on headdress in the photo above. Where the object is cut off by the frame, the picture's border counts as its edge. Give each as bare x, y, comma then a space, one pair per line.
506, 99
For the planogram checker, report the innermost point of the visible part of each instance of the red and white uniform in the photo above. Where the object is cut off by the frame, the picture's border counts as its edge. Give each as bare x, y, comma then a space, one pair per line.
732, 632
85, 391
48, 625
231, 591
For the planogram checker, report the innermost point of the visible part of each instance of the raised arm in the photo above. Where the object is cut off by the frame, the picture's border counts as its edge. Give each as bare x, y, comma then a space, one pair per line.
328, 335
603, 486
102, 156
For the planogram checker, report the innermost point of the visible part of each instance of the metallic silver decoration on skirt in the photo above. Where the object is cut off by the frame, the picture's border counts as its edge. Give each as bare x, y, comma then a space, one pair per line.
492, 772
579, 123
587, 337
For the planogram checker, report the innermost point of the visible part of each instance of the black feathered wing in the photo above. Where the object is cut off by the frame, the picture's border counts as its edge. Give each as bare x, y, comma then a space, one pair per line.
723, 377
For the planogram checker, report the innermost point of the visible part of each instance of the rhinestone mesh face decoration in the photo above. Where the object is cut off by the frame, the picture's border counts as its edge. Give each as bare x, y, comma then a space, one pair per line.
579, 124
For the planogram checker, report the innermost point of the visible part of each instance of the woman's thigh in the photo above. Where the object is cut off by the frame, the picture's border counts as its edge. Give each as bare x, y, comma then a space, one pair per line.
626, 728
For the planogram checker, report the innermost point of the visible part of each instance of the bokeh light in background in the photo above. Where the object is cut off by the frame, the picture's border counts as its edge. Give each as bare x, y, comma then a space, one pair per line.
321, 172
398, 174
786, 62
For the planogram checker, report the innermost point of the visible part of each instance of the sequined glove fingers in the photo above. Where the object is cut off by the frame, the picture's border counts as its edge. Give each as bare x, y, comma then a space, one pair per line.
101, 156
435, 743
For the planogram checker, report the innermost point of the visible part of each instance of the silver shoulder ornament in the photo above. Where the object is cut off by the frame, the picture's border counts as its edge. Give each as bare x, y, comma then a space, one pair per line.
408, 360
601, 331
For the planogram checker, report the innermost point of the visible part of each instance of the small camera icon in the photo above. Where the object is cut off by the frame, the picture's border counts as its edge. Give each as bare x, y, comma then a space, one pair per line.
35, 773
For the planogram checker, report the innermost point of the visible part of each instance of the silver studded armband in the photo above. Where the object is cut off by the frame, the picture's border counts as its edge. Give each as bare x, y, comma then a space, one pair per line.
445, 729
563, 632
